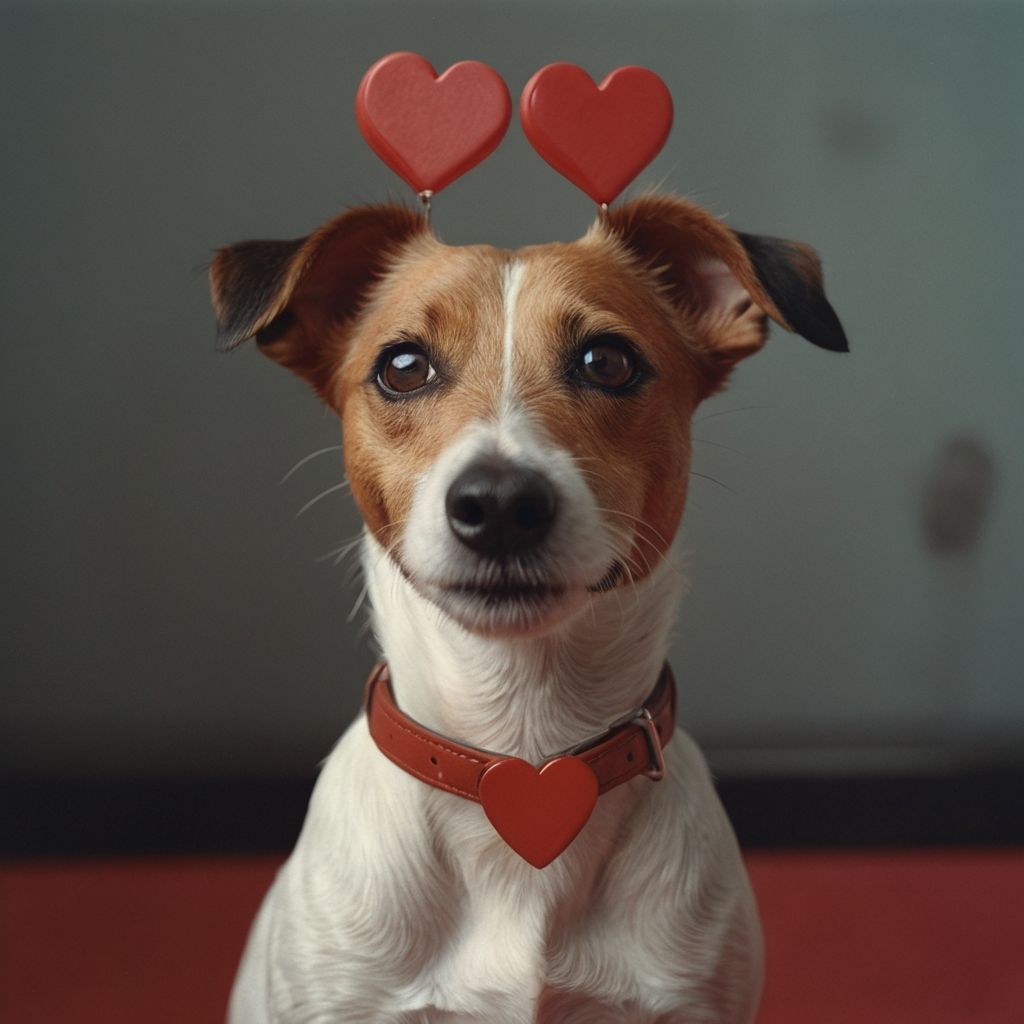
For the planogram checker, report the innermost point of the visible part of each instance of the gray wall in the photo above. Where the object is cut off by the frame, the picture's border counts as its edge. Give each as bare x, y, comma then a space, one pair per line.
164, 611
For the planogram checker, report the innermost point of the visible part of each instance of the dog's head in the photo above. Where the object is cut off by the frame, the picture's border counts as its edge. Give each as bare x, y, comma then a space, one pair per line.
517, 424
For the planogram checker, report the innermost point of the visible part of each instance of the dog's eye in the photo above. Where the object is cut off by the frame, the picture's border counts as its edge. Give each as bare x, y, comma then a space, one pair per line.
608, 363
404, 368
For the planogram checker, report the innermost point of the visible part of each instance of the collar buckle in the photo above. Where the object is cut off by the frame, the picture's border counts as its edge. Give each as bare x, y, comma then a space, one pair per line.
642, 717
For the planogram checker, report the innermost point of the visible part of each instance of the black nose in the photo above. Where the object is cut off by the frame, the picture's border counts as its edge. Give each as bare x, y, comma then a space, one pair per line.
498, 508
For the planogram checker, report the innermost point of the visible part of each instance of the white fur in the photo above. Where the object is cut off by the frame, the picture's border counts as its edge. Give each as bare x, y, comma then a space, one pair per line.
512, 281
400, 904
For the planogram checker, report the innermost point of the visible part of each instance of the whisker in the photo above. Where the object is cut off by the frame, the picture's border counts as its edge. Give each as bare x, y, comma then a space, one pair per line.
633, 570
728, 412
641, 522
298, 465
323, 494
386, 551
716, 444
364, 590
339, 553
704, 476
662, 552
360, 601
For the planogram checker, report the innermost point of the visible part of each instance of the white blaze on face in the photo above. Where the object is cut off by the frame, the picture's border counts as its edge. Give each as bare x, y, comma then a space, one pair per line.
513, 278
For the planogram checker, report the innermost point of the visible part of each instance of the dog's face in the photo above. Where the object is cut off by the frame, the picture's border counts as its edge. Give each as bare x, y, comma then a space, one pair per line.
517, 424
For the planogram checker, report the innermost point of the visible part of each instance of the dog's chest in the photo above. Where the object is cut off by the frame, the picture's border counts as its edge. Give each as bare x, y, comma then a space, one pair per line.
493, 969
512, 961
506, 935
401, 906
489, 940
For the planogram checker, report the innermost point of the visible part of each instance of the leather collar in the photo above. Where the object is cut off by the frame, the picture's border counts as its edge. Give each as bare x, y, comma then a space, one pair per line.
535, 811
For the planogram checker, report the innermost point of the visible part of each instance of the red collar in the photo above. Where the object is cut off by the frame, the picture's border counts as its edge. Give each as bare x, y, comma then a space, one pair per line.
537, 812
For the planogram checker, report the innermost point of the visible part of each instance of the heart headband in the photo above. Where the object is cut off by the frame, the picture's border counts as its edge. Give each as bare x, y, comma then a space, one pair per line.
431, 129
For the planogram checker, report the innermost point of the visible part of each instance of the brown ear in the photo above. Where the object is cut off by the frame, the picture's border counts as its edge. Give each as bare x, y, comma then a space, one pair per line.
296, 297
730, 280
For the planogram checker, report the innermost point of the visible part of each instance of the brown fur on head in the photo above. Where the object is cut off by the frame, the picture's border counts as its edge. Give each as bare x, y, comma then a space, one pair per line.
688, 294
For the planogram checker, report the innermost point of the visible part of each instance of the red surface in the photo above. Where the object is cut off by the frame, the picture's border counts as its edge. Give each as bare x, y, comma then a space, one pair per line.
872, 939
431, 129
892, 939
600, 137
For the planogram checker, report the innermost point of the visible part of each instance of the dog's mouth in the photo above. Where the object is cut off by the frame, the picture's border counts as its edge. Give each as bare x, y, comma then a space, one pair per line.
516, 596
513, 589
509, 603
492, 595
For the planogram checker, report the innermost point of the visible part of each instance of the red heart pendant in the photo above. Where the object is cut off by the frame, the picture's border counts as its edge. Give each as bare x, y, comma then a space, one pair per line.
600, 137
538, 813
430, 130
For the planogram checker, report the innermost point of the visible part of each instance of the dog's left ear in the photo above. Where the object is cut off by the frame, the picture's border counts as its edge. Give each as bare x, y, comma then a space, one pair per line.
729, 280
299, 298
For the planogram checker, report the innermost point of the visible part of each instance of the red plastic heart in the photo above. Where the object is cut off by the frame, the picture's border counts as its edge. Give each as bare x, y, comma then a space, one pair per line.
600, 137
538, 813
431, 129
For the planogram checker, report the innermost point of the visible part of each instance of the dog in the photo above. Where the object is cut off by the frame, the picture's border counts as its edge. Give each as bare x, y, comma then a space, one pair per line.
516, 434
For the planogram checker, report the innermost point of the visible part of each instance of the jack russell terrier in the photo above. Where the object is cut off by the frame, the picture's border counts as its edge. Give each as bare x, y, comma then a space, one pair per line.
517, 437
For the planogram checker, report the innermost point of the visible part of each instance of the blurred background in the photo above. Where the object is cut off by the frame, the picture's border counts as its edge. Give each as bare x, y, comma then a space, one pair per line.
174, 634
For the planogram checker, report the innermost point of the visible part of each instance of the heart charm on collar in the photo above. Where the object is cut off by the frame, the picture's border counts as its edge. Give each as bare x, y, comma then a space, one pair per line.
600, 137
428, 128
538, 813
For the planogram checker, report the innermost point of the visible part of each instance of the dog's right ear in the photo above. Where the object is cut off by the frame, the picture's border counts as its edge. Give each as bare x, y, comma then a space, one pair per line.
731, 280
296, 298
